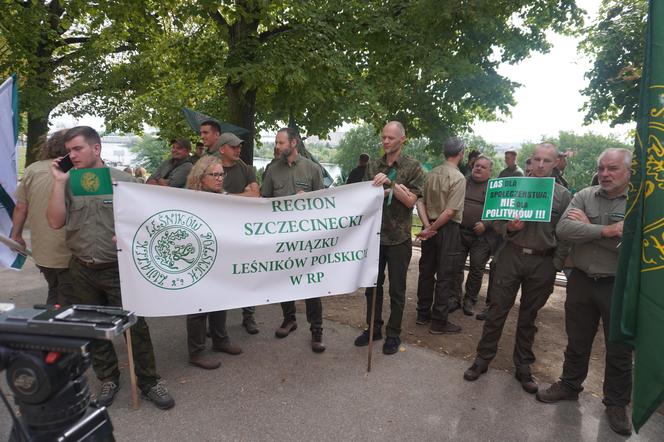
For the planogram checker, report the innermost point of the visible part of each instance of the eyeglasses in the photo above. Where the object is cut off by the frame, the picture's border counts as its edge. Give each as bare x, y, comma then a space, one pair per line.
216, 175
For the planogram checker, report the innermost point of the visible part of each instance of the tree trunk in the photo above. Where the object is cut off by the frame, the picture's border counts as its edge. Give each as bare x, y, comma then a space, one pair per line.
242, 112
37, 127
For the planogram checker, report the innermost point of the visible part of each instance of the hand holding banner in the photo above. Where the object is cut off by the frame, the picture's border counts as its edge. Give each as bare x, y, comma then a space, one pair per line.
218, 252
525, 198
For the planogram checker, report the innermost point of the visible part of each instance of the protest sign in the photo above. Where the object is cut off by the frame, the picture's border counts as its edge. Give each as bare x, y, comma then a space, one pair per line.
528, 198
184, 251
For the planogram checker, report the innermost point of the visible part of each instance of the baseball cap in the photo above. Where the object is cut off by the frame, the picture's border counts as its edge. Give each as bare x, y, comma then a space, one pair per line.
230, 139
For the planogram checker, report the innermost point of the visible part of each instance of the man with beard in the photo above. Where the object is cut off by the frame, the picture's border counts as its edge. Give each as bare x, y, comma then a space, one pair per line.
291, 174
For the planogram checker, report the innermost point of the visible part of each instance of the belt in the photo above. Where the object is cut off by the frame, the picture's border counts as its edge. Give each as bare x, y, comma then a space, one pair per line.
97, 266
527, 251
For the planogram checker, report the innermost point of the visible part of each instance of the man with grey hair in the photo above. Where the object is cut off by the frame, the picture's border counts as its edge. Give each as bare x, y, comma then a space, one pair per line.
441, 212
593, 224
401, 178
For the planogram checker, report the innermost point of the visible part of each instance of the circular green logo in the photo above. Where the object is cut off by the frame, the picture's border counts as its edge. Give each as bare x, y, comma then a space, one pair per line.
174, 249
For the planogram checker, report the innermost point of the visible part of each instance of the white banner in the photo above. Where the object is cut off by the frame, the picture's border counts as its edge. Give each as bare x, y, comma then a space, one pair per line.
8, 168
184, 251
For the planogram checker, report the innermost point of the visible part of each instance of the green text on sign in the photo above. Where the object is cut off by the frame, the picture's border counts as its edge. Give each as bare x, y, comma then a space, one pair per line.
526, 198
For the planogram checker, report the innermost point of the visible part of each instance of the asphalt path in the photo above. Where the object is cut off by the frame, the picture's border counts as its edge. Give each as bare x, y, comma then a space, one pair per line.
278, 389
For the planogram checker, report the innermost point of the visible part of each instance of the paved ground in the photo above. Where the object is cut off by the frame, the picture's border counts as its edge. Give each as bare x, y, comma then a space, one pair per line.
280, 390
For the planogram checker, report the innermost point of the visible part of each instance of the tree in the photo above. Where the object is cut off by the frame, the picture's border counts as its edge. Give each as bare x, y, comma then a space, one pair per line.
358, 140
615, 42
150, 152
316, 63
476, 142
61, 50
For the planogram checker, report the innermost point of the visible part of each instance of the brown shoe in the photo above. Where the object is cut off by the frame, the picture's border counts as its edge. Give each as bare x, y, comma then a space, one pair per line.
317, 341
440, 329
527, 382
285, 329
249, 324
203, 362
227, 347
474, 372
557, 392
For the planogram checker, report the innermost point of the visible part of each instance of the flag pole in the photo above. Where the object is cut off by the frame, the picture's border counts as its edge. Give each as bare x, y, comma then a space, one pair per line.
371, 327
132, 375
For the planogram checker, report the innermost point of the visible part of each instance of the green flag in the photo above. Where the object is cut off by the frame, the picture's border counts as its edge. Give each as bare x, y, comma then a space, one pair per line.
195, 118
90, 181
637, 316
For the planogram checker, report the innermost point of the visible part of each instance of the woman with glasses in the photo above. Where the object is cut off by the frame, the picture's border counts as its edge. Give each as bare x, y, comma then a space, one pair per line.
207, 175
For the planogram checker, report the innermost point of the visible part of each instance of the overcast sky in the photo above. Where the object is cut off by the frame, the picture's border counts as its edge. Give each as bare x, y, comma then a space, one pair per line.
548, 101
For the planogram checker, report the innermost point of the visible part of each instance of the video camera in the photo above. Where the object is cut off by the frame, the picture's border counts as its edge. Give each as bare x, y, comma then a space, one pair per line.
46, 351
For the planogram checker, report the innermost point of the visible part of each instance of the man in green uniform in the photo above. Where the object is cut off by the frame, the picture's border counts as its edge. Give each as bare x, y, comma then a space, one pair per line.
560, 169
173, 172
89, 227
526, 262
441, 212
290, 174
210, 132
49, 249
402, 179
593, 224
512, 168
478, 239
240, 180
199, 151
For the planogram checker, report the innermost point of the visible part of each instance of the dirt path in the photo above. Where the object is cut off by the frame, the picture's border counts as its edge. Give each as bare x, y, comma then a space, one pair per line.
550, 342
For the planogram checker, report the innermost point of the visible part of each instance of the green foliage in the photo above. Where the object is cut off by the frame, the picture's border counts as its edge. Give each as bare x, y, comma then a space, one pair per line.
313, 63
615, 42
586, 148
476, 142
316, 63
366, 139
63, 50
323, 152
358, 140
150, 152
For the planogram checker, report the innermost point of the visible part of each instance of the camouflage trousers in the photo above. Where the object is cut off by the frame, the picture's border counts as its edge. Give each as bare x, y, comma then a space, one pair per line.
102, 287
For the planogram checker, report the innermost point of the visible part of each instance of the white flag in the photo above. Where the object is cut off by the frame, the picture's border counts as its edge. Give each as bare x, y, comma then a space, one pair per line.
184, 251
8, 168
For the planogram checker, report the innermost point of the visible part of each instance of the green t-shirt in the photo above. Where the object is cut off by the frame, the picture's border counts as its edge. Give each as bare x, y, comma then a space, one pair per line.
238, 177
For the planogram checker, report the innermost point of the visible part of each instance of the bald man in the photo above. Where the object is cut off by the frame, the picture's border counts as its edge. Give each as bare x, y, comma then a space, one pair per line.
402, 179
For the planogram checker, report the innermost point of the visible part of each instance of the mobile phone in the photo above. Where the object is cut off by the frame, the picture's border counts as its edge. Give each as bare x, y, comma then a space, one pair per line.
65, 163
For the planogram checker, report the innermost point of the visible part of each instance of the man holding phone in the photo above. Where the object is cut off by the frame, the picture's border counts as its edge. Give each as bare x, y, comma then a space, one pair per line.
49, 249
89, 231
